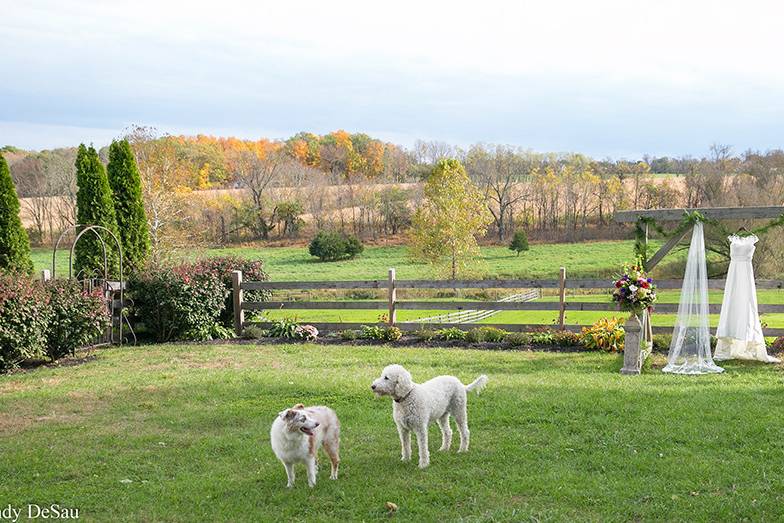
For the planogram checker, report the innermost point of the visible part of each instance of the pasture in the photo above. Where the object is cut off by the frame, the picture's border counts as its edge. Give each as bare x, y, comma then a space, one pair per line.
585, 259
181, 432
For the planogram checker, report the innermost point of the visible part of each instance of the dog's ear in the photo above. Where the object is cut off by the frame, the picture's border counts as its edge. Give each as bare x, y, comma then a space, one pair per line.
287, 414
402, 382
298, 406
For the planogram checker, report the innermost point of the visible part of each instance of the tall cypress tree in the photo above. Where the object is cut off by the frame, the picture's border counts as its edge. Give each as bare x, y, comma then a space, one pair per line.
94, 206
14, 243
126, 187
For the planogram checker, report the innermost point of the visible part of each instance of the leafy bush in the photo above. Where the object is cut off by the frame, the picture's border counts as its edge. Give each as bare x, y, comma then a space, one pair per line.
332, 246
661, 342
78, 317
179, 303
424, 334
24, 315
485, 334
517, 339
543, 338
254, 333
349, 335
606, 334
393, 334
380, 333
566, 338
284, 328
451, 333
221, 267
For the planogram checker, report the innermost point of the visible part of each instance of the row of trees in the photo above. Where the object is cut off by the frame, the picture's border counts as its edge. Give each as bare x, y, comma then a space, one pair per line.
272, 190
108, 197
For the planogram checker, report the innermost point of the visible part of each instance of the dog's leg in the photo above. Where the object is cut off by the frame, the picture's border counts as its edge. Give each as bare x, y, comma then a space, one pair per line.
289, 474
446, 432
311, 464
461, 418
332, 450
424, 452
405, 443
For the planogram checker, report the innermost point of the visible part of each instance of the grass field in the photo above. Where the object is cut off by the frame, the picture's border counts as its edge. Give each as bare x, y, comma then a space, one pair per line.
294, 263
180, 433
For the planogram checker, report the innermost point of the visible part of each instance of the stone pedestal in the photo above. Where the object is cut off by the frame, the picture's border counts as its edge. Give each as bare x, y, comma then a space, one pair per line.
632, 346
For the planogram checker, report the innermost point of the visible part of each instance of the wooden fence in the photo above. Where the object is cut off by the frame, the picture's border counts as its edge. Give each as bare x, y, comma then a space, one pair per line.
392, 304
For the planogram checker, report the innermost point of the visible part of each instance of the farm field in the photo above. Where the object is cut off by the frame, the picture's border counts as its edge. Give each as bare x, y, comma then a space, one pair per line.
585, 259
181, 432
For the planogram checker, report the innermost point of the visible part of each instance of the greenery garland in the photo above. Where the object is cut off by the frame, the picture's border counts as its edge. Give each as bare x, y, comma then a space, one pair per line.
689, 219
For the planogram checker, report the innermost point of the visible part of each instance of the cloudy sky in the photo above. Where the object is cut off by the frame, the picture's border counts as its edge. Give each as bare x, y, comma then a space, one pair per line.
605, 78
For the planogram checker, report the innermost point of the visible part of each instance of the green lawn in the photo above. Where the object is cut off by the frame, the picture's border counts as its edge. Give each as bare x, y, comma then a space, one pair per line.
585, 259
180, 433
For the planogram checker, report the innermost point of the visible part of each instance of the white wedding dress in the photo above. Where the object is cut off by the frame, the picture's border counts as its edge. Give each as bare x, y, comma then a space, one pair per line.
740, 332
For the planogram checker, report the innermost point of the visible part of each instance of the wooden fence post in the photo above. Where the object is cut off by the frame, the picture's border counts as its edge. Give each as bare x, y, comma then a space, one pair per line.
562, 298
392, 298
239, 314
46, 275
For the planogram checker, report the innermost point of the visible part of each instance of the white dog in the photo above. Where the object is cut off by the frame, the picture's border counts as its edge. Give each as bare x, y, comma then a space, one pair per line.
416, 406
297, 434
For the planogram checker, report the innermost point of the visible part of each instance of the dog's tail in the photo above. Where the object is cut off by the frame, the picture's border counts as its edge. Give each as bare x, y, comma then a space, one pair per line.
478, 384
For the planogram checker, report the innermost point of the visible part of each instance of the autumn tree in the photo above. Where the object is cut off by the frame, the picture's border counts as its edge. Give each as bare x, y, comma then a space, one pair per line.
451, 216
126, 187
14, 243
94, 206
165, 186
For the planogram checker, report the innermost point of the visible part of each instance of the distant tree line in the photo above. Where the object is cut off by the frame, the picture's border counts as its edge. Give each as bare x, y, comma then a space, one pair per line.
215, 190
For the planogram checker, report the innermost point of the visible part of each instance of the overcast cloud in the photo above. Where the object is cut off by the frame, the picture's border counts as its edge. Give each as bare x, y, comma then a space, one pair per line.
605, 78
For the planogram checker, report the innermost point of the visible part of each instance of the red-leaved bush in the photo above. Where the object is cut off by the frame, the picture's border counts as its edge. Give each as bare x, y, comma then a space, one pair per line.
183, 302
24, 316
222, 267
78, 317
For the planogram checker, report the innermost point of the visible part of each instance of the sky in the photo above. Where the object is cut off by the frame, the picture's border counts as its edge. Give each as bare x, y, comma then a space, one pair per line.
606, 78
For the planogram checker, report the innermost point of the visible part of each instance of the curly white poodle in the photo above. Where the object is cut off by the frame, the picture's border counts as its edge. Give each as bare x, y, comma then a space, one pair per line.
417, 405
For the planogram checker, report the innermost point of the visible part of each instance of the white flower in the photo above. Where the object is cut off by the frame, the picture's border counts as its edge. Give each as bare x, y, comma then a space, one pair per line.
632, 288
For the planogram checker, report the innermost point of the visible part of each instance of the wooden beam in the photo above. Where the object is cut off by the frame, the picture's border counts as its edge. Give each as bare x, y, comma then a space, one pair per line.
716, 213
571, 283
237, 295
392, 297
575, 306
654, 260
562, 298
310, 285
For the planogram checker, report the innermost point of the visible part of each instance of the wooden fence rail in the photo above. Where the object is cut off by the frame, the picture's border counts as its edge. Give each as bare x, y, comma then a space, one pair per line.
392, 304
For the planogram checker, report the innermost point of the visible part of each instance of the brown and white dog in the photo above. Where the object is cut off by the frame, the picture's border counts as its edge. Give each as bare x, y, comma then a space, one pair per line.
297, 434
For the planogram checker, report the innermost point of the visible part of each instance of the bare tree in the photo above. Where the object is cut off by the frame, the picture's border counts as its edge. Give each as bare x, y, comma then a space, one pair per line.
259, 172
500, 172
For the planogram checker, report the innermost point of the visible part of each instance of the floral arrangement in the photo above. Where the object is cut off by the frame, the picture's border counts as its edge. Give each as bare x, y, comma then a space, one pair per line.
634, 290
